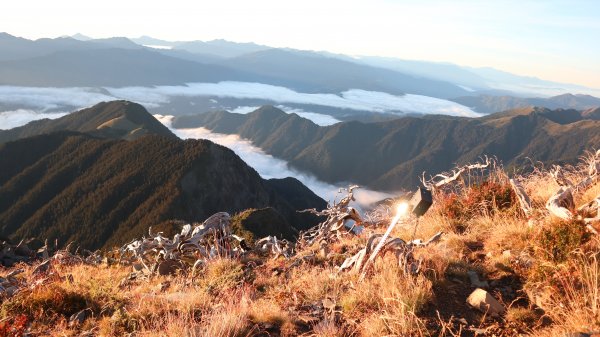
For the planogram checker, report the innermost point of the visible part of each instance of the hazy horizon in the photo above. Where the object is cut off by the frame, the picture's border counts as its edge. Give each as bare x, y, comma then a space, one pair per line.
554, 40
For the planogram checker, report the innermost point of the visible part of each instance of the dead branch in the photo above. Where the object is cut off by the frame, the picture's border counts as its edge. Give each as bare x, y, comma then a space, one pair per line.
590, 212
401, 250
341, 219
561, 203
524, 201
441, 179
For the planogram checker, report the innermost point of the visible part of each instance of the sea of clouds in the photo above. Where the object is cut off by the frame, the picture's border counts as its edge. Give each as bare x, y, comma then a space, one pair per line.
270, 167
47, 99
354, 99
15, 118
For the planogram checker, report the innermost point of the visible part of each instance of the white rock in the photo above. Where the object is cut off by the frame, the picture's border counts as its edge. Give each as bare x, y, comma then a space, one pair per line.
483, 301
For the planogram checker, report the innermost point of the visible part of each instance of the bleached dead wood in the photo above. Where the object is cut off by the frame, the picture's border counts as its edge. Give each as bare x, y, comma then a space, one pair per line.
524, 201
341, 218
204, 241
275, 246
590, 212
561, 203
557, 172
441, 179
401, 250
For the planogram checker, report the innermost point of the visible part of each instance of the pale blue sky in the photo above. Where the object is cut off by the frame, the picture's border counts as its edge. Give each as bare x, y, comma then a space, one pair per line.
555, 40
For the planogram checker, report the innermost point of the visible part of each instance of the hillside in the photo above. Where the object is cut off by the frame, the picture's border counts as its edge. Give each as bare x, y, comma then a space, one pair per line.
399, 151
103, 175
116, 119
99, 193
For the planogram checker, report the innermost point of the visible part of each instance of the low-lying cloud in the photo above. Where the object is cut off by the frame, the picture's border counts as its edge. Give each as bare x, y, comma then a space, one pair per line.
270, 167
45, 99
61, 99
13, 119
354, 99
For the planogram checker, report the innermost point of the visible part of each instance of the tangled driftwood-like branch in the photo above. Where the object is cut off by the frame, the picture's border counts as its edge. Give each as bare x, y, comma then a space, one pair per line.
401, 250
562, 204
341, 218
194, 246
210, 239
442, 179
275, 246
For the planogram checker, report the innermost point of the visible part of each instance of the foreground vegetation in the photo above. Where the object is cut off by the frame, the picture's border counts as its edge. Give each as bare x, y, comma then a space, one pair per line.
543, 270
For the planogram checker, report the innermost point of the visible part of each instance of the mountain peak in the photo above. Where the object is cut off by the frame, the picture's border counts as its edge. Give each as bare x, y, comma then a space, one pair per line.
114, 119
268, 110
81, 37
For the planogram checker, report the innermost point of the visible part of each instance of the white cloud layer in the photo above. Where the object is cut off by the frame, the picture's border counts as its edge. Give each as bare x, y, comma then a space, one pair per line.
13, 119
51, 98
44, 99
270, 167
353, 99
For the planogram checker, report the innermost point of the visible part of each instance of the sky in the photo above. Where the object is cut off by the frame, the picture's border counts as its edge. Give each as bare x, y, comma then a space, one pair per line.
551, 39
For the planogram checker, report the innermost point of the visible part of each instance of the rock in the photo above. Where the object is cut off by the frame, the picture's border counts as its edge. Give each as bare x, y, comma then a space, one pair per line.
474, 278
486, 303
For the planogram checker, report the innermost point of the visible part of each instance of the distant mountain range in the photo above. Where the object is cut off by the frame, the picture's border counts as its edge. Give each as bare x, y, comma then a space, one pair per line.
392, 155
77, 179
121, 62
490, 104
313, 72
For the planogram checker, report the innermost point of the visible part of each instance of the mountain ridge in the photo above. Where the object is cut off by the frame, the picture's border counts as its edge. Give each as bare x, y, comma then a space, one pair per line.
492, 104
400, 150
